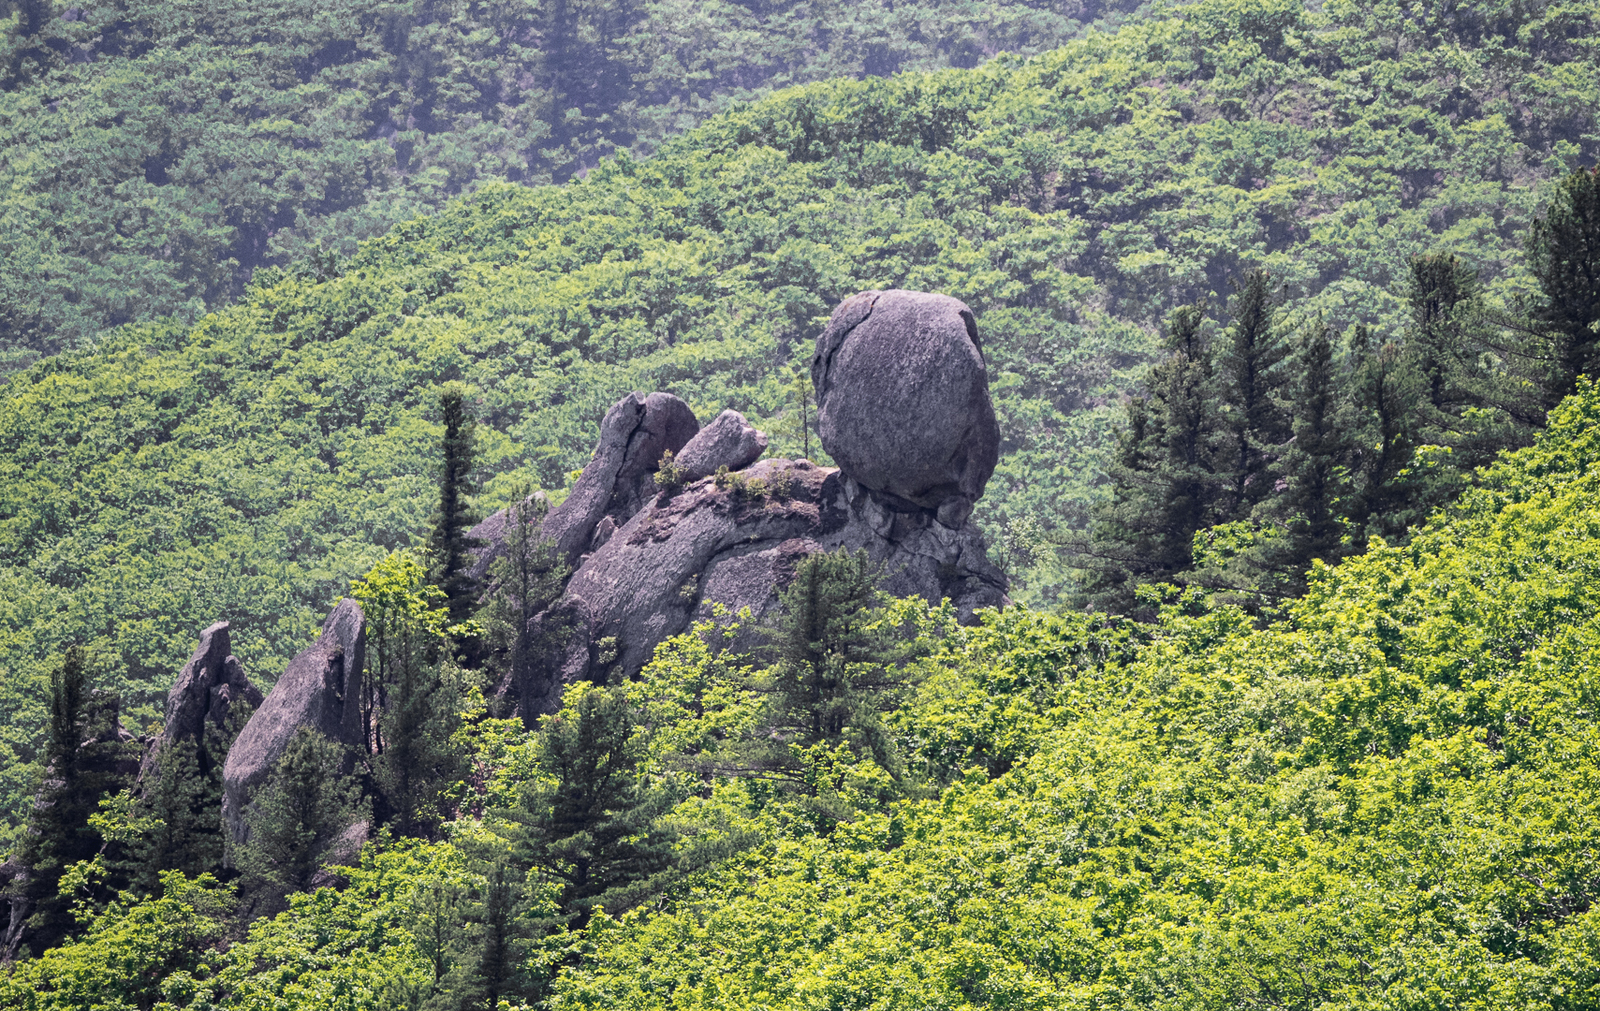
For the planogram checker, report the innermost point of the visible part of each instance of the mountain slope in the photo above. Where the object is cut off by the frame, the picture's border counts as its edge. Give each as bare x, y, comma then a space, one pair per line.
158, 152
1387, 801
248, 466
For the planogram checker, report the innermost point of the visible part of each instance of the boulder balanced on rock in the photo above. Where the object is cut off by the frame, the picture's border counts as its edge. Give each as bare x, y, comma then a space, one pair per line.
903, 407
903, 401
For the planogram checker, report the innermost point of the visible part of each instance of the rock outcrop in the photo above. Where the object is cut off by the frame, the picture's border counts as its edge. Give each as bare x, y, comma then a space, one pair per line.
617, 482
904, 408
321, 689
736, 542
730, 441
903, 401
211, 690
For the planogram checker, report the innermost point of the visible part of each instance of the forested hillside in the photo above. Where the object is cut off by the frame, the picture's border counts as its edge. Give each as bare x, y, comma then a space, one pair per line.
159, 152
1386, 801
252, 464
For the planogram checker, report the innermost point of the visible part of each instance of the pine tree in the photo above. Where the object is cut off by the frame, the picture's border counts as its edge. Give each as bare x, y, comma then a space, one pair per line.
1443, 297
436, 924
295, 820
1387, 392
489, 968
590, 819
449, 547
526, 576
1252, 381
1315, 468
835, 671
1166, 481
183, 803
473, 929
1564, 254
85, 760
410, 705
419, 756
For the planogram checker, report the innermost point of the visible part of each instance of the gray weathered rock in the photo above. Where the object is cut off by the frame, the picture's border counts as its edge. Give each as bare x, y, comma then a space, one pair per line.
321, 689
903, 405
618, 480
735, 542
730, 441
644, 584
903, 401
207, 691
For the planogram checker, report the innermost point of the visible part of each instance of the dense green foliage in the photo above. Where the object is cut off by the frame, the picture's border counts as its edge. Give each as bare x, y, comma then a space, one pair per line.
1386, 800
295, 820
410, 704
250, 465
158, 152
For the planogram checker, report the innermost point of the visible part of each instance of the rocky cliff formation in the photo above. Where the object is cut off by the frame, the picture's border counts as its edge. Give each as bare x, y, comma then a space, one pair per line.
321, 688
903, 406
212, 692
670, 523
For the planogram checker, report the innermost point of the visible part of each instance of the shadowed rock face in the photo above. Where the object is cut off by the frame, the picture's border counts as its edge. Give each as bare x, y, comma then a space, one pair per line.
616, 483
319, 689
736, 543
206, 691
903, 401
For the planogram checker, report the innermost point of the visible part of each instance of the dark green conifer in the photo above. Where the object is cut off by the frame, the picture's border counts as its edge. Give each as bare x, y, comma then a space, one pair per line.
526, 576
490, 963
830, 660
1315, 468
85, 760
590, 820
1168, 481
1443, 295
449, 547
419, 756
295, 819
1564, 254
1388, 390
184, 799
1252, 381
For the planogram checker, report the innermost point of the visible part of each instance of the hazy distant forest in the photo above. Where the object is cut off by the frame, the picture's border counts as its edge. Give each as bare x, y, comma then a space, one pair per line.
1291, 314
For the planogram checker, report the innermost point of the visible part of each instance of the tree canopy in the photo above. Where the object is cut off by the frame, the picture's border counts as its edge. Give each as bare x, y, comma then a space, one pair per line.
252, 463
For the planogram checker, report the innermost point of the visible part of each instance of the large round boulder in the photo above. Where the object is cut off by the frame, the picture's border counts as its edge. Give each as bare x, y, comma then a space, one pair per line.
903, 400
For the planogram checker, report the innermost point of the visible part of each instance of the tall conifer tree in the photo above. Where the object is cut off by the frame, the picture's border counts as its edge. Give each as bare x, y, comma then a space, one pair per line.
449, 548
1315, 467
525, 577
1442, 292
295, 819
1249, 364
85, 760
1166, 480
1387, 391
1564, 253
589, 821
